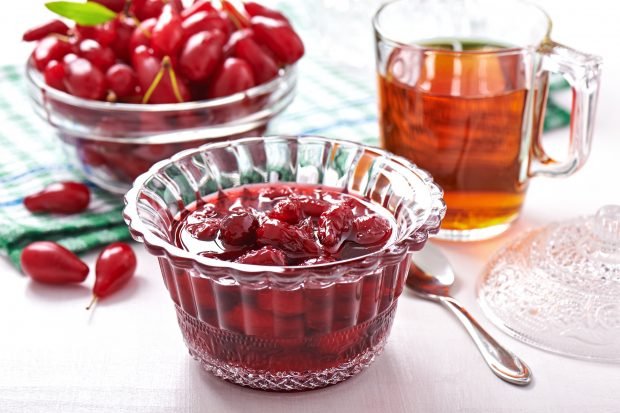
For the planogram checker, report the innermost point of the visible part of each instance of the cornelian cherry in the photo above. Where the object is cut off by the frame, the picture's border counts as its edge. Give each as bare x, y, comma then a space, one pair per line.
39, 32
201, 54
264, 67
155, 77
204, 21
278, 37
198, 6
91, 50
61, 197
54, 75
114, 5
146, 9
50, 263
233, 76
85, 80
48, 49
167, 33
142, 34
255, 9
115, 266
103, 34
124, 27
122, 80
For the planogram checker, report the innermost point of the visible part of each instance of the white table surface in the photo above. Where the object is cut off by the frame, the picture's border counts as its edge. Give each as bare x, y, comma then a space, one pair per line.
128, 355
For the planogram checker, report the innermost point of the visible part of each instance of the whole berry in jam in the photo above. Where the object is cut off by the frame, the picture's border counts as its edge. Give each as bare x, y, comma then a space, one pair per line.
265, 256
238, 228
371, 229
334, 224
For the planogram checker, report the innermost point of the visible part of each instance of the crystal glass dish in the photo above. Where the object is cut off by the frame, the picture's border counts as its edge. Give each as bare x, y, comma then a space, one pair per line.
558, 287
113, 143
285, 327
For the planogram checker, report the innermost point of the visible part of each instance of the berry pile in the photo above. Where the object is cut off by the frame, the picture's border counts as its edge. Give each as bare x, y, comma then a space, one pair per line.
50, 263
282, 225
157, 51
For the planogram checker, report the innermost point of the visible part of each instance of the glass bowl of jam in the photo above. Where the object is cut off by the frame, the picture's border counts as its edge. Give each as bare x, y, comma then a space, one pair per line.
284, 256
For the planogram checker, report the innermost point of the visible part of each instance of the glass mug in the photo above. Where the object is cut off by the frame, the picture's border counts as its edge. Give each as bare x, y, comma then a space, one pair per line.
462, 92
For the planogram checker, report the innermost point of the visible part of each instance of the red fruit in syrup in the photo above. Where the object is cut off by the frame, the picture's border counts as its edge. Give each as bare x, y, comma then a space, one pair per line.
334, 224
115, 266
287, 210
206, 229
50, 263
285, 236
91, 50
201, 54
371, 229
85, 80
48, 49
61, 197
54, 75
311, 206
122, 80
238, 228
39, 32
278, 37
235, 75
167, 33
267, 255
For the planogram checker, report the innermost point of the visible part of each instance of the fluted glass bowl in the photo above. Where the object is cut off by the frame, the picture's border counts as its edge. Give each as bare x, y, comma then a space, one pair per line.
288, 327
113, 143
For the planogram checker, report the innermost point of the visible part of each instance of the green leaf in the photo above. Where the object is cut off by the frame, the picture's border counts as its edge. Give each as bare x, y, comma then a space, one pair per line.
84, 14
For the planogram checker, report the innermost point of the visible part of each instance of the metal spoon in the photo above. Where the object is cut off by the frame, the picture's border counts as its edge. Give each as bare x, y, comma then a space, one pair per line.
431, 277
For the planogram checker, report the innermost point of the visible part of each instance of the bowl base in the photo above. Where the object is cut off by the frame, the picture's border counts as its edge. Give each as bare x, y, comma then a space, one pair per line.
201, 337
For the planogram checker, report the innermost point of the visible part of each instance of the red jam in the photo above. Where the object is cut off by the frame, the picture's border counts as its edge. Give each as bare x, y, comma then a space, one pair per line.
272, 328
283, 225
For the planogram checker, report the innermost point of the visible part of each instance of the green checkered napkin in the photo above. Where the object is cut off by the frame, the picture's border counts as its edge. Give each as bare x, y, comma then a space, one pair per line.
329, 102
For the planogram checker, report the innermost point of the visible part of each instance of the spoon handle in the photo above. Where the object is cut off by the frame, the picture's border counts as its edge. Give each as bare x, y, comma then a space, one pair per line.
502, 362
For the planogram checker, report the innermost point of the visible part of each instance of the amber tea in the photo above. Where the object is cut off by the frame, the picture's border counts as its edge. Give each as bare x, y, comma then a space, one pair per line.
460, 116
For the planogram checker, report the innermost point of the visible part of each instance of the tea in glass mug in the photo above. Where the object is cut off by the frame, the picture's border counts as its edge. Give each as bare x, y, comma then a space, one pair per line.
462, 93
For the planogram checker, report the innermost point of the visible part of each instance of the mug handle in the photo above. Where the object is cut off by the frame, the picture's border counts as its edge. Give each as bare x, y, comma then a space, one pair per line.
582, 71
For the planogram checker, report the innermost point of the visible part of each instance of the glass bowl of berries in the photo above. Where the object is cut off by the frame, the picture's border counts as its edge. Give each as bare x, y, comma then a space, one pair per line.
284, 256
155, 78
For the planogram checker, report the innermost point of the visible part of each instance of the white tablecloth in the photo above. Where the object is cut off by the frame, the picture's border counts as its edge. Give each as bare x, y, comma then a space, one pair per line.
128, 355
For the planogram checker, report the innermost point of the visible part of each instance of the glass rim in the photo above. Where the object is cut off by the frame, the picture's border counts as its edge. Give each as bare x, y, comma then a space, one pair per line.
153, 242
505, 51
36, 78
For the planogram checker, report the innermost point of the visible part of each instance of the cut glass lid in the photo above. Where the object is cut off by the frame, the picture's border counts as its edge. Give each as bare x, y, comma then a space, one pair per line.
558, 287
